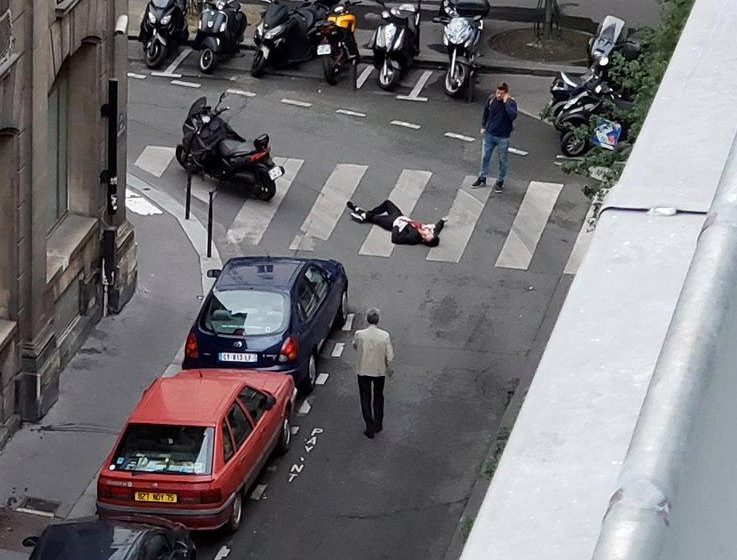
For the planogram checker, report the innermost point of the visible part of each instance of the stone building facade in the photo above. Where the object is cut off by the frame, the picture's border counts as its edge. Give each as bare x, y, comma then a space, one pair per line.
56, 59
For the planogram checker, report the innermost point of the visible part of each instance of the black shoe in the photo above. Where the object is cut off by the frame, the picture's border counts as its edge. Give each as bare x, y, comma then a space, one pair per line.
478, 183
378, 429
499, 186
357, 213
439, 226
369, 434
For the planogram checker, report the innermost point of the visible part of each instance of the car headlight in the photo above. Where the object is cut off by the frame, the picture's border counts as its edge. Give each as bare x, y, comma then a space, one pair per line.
273, 32
166, 19
151, 17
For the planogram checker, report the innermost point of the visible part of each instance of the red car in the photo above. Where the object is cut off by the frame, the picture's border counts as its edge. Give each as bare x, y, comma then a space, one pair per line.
195, 444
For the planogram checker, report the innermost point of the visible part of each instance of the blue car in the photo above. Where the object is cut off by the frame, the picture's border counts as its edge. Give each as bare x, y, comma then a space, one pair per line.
269, 313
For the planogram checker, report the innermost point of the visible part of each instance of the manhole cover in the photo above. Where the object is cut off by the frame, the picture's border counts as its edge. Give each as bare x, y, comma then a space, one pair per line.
38, 506
568, 46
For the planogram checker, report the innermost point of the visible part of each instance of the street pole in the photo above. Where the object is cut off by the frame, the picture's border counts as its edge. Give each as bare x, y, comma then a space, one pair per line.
189, 190
110, 181
209, 227
548, 19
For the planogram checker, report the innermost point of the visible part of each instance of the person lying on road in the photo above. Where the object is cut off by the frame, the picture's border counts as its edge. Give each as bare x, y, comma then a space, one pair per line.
405, 231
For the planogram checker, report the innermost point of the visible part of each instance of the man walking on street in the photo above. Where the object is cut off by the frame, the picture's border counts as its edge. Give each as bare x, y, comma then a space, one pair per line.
374, 362
497, 123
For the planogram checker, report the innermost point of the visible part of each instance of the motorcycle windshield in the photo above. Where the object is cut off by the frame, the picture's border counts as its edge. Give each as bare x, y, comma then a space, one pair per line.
275, 15
212, 20
162, 4
197, 107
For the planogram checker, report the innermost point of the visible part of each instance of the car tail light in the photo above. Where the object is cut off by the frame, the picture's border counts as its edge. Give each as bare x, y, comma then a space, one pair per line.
213, 496
289, 350
258, 156
191, 350
118, 493
103, 490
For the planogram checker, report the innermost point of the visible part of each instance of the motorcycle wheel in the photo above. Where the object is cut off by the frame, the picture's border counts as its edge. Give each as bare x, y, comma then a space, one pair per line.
572, 146
154, 54
388, 79
259, 65
331, 69
454, 84
267, 190
207, 61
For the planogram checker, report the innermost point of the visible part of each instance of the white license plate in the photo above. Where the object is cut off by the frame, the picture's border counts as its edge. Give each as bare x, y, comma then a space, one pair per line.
235, 357
323, 49
265, 51
275, 172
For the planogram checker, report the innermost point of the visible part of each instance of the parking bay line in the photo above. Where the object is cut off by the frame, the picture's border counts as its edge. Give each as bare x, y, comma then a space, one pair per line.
296, 103
241, 92
407, 191
364, 76
414, 94
517, 152
405, 124
178, 60
304, 408
460, 137
321, 379
186, 84
258, 492
528, 225
222, 553
161, 74
348, 322
337, 350
137, 76
350, 113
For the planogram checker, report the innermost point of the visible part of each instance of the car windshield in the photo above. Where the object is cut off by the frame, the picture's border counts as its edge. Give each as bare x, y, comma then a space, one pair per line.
162, 449
246, 312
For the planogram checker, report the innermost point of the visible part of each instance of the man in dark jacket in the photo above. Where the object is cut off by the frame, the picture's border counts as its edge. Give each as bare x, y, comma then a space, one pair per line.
497, 123
405, 231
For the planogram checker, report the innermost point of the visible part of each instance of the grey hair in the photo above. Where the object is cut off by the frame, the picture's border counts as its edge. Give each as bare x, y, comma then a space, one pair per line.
372, 316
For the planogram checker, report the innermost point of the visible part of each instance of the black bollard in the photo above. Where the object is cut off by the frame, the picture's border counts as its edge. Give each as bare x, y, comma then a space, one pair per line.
189, 192
209, 227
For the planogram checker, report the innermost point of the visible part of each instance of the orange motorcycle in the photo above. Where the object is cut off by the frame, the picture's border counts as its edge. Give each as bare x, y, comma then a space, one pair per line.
338, 47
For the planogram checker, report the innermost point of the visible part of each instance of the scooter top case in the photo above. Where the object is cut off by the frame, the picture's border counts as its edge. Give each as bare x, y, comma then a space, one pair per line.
472, 8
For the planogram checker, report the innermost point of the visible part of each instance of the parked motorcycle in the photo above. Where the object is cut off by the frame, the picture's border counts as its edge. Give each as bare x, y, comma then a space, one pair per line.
613, 35
211, 147
565, 87
396, 42
163, 29
287, 36
338, 46
461, 36
219, 32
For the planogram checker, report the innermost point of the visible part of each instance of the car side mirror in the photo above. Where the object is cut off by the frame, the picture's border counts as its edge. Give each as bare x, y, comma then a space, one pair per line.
270, 402
30, 541
213, 273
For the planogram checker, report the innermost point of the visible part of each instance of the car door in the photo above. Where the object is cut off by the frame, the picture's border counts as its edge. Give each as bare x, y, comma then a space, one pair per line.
268, 422
317, 281
307, 306
245, 443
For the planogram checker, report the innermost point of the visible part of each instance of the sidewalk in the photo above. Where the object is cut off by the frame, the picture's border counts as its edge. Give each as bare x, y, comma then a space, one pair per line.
57, 460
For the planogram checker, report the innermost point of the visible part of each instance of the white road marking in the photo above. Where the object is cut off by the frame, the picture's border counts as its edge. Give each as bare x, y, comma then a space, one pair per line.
165, 74
329, 206
414, 94
305, 408
155, 159
186, 84
410, 98
364, 76
222, 553
140, 205
321, 379
462, 217
460, 137
581, 245
255, 216
38, 512
517, 152
241, 92
295, 430
348, 322
337, 350
296, 103
258, 492
350, 113
528, 225
407, 191
178, 60
406, 124
137, 76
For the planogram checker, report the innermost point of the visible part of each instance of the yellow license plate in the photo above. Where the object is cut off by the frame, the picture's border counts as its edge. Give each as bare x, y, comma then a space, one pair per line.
156, 497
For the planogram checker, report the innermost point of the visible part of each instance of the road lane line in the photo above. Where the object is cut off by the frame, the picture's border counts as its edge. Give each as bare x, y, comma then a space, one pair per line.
258, 492
155, 159
305, 408
350, 113
241, 92
186, 84
337, 350
348, 322
460, 137
329, 206
178, 60
321, 379
517, 152
137, 76
528, 225
414, 94
583, 240
406, 124
462, 217
405, 194
161, 74
364, 76
296, 103
254, 217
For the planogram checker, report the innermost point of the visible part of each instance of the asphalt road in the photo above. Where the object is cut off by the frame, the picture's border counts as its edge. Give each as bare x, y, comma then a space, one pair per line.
463, 331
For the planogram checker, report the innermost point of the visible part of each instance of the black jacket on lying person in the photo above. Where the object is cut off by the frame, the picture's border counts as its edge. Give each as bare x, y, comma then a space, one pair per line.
405, 231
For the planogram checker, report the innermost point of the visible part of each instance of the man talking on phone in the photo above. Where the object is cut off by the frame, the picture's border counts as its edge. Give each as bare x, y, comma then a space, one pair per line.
497, 124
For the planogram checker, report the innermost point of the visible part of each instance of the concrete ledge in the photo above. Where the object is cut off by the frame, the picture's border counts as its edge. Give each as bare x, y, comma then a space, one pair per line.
65, 241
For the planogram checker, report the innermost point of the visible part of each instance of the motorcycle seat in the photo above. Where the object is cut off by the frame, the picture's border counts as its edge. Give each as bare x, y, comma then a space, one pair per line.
233, 148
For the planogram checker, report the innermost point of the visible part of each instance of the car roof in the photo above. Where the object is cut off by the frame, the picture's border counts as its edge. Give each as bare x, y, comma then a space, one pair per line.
192, 400
271, 272
91, 540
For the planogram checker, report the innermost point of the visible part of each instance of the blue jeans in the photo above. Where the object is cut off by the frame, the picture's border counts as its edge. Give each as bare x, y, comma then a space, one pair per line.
491, 142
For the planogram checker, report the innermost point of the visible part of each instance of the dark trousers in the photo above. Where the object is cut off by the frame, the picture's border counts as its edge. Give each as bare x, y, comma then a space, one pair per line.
373, 413
384, 215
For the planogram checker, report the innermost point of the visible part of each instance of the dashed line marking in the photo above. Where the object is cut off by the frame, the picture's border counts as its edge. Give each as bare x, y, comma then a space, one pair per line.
364, 76
460, 137
295, 430
348, 322
413, 126
178, 60
296, 103
350, 113
258, 492
304, 408
222, 553
241, 92
337, 350
165, 74
185, 84
322, 379
410, 98
518, 152
137, 76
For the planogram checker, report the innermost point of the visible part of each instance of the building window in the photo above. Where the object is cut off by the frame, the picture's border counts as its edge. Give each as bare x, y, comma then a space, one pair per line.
58, 134
6, 32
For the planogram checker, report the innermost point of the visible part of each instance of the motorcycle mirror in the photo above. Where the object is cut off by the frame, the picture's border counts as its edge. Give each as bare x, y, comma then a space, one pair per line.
598, 89
603, 61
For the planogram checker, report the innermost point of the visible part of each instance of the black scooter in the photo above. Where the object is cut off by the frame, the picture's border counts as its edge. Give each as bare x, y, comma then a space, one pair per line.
219, 32
163, 29
396, 42
613, 35
288, 36
211, 147
565, 87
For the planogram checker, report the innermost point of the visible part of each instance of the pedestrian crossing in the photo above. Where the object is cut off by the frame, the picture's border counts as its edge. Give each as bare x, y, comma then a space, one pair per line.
247, 225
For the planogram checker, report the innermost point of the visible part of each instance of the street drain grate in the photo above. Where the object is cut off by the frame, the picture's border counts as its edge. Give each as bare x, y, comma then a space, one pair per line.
37, 506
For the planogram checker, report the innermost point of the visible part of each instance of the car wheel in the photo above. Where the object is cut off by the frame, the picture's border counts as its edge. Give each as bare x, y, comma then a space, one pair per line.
236, 514
308, 384
285, 437
342, 315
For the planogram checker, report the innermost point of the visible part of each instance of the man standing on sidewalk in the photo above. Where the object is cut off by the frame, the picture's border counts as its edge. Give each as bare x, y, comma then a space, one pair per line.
500, 110
374, 361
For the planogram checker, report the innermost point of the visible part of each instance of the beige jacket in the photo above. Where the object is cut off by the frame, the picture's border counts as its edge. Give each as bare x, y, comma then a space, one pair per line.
374, 352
